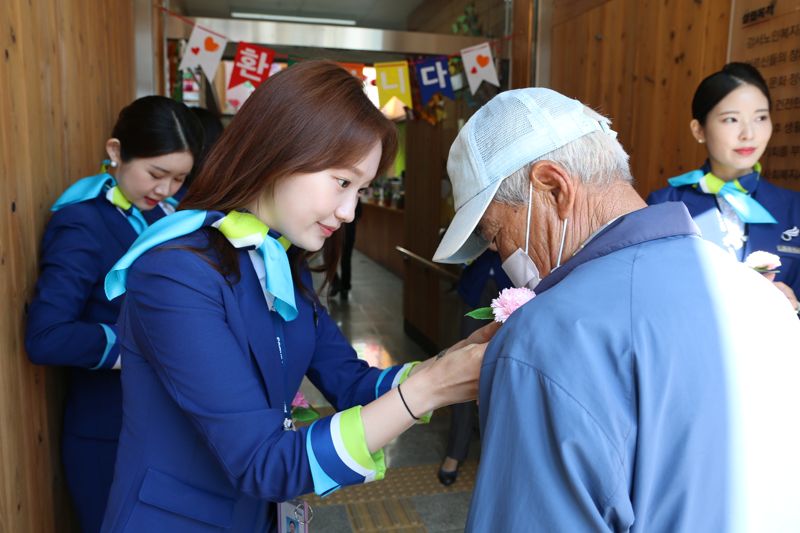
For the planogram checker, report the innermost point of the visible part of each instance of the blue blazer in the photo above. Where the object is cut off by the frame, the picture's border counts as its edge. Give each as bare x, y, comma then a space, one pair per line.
202, 446
81, 243
783, 204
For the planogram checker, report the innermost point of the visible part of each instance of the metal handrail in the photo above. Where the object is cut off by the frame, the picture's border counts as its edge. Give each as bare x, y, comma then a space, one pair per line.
427, 263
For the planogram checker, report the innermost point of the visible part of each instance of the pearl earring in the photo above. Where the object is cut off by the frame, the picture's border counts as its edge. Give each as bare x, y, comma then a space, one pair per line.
107, 163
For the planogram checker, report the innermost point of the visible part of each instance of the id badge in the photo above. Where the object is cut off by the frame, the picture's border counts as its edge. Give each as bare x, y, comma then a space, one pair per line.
294, 516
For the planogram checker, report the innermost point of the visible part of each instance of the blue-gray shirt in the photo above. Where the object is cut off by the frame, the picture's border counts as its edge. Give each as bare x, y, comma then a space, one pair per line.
649, 386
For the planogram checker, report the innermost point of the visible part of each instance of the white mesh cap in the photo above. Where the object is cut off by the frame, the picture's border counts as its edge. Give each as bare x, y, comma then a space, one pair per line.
513, 129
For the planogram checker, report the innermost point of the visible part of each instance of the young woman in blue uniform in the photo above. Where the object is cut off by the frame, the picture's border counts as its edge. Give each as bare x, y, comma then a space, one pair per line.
70, 320
727, 197
220, 324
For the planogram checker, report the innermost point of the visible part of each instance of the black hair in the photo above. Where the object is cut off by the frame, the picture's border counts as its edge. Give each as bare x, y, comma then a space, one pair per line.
212, 130
717, 86
156, 125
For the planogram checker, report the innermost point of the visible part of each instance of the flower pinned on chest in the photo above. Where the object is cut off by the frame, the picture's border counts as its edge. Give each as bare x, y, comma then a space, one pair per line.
302, 412
764, 263
508, 301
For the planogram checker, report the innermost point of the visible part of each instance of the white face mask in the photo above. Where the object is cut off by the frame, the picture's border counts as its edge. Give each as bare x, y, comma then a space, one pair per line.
519, 267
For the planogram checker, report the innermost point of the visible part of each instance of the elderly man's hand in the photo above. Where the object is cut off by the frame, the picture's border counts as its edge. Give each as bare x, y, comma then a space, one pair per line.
788, 292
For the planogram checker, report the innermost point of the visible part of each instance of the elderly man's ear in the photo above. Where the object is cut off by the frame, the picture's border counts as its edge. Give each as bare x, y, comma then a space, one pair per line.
553, 179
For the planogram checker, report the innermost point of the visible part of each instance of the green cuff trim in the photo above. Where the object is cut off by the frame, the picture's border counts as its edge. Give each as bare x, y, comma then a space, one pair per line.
425, 418
351, 428
408, 367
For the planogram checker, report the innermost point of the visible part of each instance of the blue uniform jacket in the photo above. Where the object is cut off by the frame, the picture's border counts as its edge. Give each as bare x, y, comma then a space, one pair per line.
477, 274
81, 243
649, 386
783, 204
202, 446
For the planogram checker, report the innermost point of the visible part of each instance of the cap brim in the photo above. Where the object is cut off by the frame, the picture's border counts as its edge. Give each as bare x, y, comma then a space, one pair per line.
460, 243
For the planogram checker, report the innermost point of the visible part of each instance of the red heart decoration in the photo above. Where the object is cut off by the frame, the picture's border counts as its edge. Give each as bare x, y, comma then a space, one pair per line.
234, 102
211, 45
482, 60
195, 50
474, 70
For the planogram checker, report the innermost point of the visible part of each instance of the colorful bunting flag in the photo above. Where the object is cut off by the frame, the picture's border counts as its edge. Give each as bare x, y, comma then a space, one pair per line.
393, 80
479, 66
356, 69
434, 77
204, 49
252, 63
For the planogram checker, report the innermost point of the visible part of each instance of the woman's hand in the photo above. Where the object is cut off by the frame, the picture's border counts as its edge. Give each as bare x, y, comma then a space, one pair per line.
451, 378
788, 292
480, 336
439, 381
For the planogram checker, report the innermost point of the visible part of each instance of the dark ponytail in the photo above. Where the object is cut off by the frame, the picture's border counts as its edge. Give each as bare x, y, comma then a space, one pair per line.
155, 125
717, 86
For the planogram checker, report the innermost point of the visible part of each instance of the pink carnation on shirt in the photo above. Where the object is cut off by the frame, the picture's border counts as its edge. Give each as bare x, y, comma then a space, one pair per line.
300, 400
508, 301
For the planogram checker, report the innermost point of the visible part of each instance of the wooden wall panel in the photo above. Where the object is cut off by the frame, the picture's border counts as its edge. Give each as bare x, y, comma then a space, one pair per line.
65, 71
379, 231
522, 51
639, 62
765, 35
426, 154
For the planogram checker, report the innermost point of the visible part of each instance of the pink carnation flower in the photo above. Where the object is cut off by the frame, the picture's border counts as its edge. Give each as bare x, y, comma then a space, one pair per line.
300, 400
508, 301
763, 261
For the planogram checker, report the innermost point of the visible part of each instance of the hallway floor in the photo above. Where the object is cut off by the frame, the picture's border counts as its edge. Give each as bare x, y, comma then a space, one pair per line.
410, 498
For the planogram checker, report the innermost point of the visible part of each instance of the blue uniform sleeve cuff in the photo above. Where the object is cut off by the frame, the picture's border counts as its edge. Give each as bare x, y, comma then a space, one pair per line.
394, 376
338, 454
109, 358
391, 377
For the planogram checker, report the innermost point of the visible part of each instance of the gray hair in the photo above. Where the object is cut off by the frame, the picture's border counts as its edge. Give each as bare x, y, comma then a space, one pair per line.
596, 159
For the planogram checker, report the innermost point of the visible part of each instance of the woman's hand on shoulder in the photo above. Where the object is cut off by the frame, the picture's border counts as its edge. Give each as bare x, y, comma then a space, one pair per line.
449, 378
788, 292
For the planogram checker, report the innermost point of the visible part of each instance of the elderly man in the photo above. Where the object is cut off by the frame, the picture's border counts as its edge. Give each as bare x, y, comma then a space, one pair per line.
652, 383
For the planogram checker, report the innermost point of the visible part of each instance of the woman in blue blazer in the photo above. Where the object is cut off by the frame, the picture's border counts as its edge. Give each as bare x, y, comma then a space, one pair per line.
727, 197
70, 320
220, 323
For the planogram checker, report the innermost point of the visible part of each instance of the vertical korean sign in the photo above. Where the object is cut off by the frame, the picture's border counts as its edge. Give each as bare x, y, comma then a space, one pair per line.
766, 34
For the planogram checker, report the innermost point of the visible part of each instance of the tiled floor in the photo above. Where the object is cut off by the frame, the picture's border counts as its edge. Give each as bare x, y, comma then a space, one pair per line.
410, 498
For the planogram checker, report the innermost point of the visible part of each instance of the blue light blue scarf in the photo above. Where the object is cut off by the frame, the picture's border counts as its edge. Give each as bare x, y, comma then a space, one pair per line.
91, 187
241, 229
735, 192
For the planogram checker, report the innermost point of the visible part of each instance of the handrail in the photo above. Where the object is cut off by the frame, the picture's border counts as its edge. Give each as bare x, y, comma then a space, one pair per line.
427, 263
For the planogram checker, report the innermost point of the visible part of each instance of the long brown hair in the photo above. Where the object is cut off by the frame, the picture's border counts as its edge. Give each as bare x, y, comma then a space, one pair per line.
307, 118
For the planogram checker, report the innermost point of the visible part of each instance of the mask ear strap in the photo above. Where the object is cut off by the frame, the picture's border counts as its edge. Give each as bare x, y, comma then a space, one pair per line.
563, 238
528, 226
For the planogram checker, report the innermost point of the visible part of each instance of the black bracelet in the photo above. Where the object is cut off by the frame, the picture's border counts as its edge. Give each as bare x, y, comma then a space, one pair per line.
404, 403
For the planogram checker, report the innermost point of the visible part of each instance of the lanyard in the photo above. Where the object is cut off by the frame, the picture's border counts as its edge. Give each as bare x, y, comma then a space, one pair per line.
277, 321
